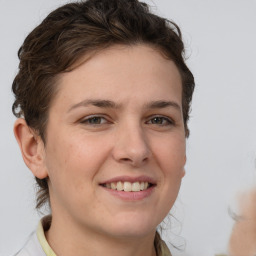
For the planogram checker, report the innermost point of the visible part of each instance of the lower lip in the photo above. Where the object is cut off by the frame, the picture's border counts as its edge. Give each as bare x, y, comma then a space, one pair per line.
131, 196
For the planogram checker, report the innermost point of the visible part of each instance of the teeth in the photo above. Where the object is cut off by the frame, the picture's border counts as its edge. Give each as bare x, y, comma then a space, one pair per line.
136, 186
113, 185
119, 186
128, 186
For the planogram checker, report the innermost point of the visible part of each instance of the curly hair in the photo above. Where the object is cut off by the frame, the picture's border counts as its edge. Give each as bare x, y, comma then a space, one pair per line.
75, 29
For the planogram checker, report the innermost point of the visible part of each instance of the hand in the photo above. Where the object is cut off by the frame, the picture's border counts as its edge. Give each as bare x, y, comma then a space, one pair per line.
243, 236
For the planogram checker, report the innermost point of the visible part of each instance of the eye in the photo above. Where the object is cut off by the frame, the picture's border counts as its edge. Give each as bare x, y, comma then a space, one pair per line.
160, 120
94, 120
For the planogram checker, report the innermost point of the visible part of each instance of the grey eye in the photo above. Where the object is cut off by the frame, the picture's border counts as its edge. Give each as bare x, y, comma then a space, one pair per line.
94, 120
159, 120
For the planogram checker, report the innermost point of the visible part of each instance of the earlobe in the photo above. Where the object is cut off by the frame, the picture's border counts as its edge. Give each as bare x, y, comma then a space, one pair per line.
32, 148
184, 171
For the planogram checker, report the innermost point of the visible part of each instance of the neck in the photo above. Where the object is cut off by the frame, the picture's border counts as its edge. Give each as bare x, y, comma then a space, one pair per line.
66, 239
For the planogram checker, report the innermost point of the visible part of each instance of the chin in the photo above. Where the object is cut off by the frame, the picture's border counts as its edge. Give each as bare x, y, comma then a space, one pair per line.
133, 227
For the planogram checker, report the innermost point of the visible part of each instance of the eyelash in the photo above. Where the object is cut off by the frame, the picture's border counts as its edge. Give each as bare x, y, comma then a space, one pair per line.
90, 119
167, 120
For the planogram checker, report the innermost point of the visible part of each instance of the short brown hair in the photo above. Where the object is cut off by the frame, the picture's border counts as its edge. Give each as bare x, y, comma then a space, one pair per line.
79, 28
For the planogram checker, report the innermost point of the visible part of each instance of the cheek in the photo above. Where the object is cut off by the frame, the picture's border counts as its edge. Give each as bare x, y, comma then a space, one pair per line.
171, 155
75, 159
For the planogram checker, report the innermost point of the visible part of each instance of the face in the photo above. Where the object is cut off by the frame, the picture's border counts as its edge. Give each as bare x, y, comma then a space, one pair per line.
115, 146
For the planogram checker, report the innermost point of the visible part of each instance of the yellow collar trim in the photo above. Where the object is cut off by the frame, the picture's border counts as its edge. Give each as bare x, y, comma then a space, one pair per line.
42, 240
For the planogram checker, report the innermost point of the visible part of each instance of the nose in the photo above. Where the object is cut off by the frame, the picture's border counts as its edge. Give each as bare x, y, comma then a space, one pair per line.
131, 146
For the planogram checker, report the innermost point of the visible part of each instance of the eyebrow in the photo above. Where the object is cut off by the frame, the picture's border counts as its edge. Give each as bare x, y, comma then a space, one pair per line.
96, 103
111, 104
162, 104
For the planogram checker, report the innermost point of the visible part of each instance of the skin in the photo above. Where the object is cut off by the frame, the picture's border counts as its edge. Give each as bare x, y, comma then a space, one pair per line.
80, 153
243, 236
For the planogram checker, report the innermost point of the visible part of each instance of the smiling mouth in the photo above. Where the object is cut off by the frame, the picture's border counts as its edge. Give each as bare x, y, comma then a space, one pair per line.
128, 186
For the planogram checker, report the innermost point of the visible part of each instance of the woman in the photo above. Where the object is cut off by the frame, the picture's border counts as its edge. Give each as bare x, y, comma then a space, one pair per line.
102, 100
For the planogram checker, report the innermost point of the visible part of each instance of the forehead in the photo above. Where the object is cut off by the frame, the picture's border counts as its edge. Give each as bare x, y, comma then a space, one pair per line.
121, 71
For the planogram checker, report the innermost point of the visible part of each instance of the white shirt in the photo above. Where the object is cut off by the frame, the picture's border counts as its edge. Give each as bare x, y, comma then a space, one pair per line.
37, 244
32, 247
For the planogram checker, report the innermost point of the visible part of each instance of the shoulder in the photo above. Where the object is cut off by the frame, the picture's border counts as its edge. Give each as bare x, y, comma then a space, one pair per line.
31, 248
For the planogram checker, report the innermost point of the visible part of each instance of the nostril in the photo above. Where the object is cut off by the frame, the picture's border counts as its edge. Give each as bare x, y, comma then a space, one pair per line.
126, 159
135, 161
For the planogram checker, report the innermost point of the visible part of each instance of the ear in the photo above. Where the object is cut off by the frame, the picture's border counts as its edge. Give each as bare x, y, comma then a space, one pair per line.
32, 148
184, 171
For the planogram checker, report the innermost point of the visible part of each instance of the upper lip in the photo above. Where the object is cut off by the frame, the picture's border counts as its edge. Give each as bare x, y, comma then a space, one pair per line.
130, 179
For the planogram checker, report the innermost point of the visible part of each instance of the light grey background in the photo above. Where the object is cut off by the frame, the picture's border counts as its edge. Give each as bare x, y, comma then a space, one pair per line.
220, 38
